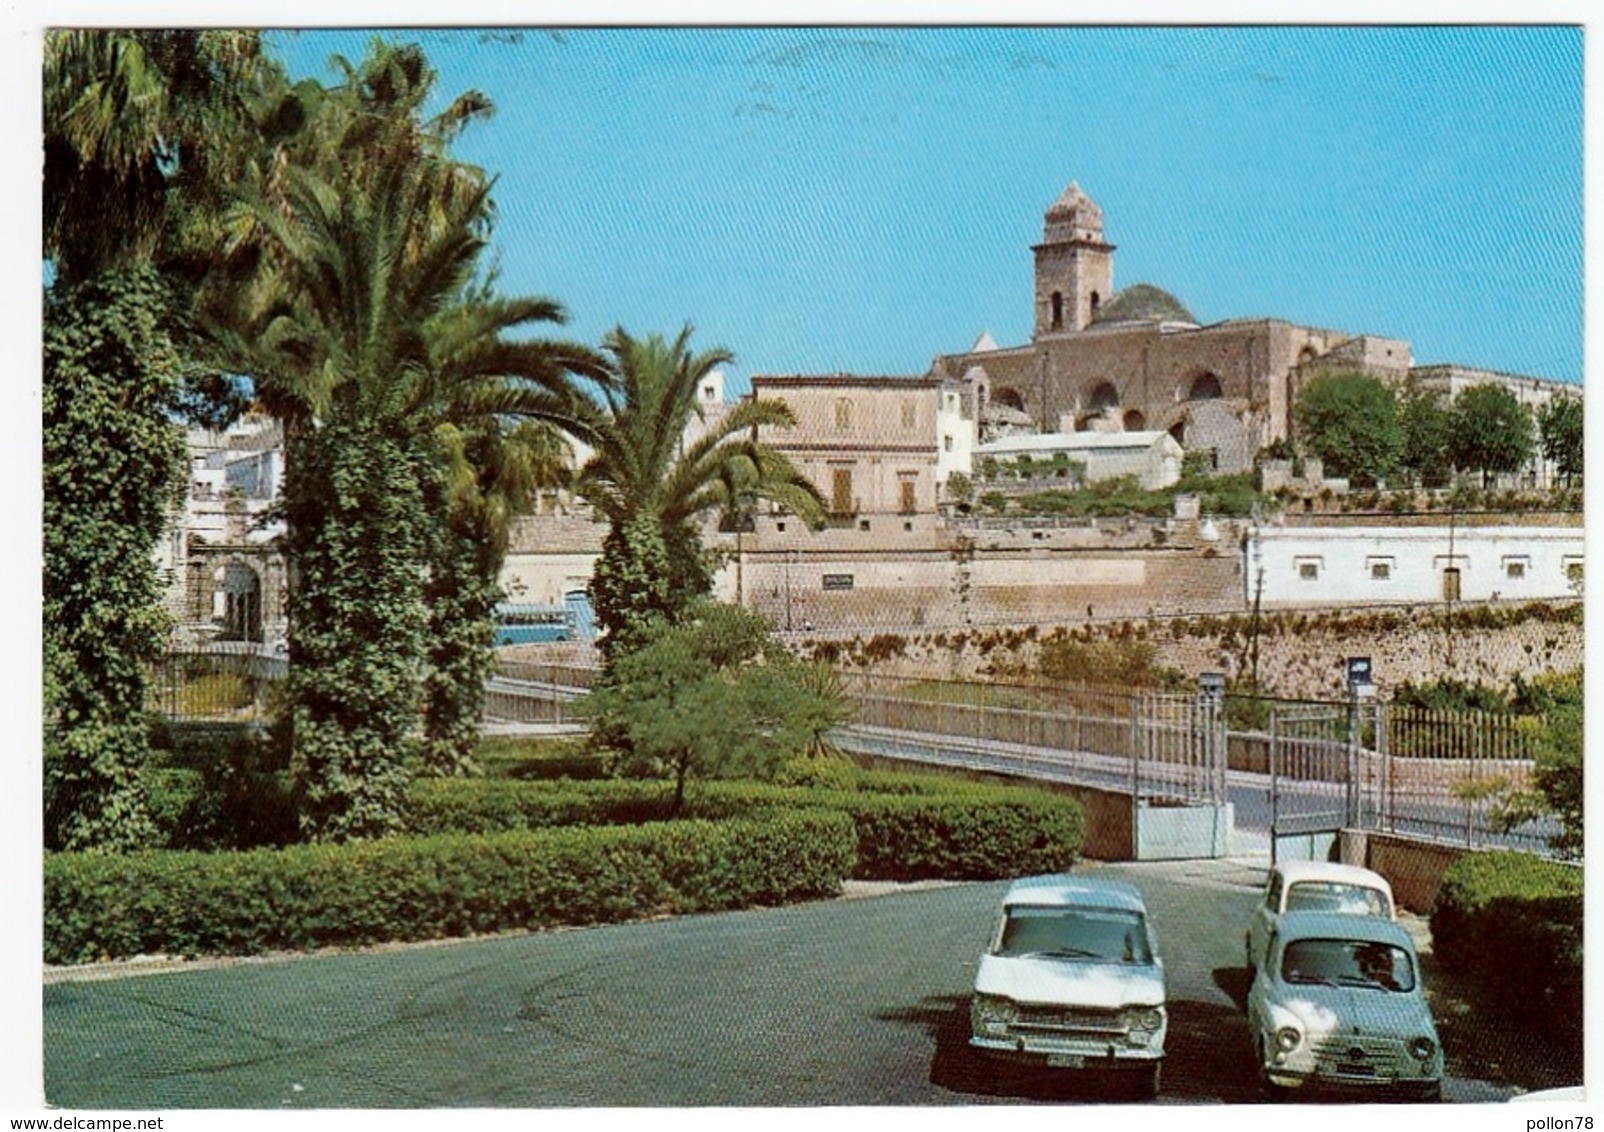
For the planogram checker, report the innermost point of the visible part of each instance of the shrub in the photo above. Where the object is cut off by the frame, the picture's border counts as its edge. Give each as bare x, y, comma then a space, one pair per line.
815, 772
972, 836
231, 794
100, 906
436, 806
1513, 922
910, 826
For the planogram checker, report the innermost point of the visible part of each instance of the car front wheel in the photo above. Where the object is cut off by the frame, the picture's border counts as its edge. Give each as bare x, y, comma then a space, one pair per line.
1144, 1083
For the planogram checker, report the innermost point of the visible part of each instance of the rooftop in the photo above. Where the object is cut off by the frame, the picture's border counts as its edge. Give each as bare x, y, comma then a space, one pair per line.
1075, 890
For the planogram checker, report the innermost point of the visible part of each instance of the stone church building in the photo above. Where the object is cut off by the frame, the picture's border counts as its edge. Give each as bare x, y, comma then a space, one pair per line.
1136, 360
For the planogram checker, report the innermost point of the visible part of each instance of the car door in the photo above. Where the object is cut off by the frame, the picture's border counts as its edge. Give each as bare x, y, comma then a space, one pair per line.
1265, 917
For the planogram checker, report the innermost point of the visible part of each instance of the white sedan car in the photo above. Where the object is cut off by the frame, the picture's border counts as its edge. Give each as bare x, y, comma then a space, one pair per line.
1315, 886
1072, 980
1338, 1003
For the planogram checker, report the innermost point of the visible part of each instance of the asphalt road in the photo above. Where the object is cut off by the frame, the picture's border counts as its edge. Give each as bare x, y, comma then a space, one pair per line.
844, 1002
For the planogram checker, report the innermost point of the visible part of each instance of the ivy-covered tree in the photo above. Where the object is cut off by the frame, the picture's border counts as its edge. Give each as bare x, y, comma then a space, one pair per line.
493, 473
1492, 432
113, 468
1427, 437
714, 696
1559, 425
1350, 422
357, 528
130, 123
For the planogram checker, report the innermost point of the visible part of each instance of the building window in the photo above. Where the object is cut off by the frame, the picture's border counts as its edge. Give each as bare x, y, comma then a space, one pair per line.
907, 487
1058, 310
910, 414
843, 414
1515, 568
841, 491
946, 443
1573, 570
1380, 569
1308, 569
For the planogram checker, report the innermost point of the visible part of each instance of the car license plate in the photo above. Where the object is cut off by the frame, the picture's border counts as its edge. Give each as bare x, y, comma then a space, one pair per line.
1065, 1061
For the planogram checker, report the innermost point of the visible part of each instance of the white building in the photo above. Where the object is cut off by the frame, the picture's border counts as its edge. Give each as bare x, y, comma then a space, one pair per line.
1382, 564
1154, 458
1533, 393
220, 561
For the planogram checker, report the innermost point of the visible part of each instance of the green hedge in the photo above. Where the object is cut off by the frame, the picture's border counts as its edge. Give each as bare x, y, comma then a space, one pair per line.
909, 827
980, 837
103, 906
1513, 921
494, 805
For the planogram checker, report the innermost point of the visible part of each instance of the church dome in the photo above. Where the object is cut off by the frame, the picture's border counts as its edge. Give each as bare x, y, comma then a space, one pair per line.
1142, 302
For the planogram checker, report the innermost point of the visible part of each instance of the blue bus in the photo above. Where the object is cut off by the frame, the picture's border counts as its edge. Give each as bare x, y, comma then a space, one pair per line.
518, 623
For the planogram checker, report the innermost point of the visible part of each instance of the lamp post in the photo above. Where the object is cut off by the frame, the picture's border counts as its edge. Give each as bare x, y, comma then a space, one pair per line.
787, 568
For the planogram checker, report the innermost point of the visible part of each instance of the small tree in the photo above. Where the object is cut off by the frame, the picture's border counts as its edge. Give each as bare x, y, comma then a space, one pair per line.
1555, 701
960, 489
1350, 421
714, 697
1559, 424
1492, 432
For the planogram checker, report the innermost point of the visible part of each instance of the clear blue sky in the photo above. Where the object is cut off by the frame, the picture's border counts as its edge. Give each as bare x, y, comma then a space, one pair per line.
862, 199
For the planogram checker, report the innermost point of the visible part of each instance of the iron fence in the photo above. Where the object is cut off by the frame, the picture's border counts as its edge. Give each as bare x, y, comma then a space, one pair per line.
224, 683
1432, 774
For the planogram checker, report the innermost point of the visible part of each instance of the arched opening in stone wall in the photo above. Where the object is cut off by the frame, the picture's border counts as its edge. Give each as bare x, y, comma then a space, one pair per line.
1058, 310
1205, 387
1103, 396
242, 603
1135, 421
1097, 301
1008, 398
1178, 431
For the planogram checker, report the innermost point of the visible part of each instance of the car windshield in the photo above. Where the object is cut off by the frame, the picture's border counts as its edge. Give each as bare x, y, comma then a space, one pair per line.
1107, 935
1334, 896
1348, 963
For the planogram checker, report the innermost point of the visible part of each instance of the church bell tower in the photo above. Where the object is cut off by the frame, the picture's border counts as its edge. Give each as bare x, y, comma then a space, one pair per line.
1074, 267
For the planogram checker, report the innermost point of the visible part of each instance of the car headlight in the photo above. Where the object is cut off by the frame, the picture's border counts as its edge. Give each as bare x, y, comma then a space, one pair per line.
1144, 1018
1422, 1048
1287, 1038
992, 1013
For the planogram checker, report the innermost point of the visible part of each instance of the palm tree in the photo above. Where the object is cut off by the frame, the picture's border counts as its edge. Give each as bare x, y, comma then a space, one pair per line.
133, 118
395, 376
359, 248
653, 487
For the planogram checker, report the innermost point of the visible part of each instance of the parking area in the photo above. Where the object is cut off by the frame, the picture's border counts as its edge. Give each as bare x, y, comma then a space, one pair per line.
846, 1002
